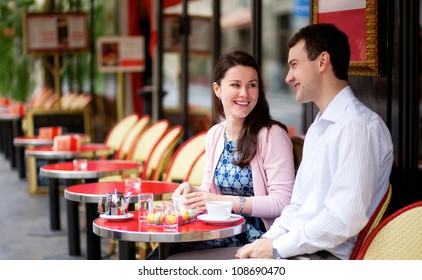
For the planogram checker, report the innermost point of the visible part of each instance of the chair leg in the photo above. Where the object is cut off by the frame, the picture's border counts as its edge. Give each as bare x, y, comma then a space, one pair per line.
144, 249
112, 245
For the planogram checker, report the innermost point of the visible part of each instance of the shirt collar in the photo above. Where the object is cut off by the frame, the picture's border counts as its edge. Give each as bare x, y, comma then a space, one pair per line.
337, 105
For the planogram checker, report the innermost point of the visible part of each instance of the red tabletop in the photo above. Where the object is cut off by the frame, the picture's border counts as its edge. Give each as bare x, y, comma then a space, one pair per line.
36, 141
85, 150
31, 140
10, 116
95, 169
135, 231
92, 191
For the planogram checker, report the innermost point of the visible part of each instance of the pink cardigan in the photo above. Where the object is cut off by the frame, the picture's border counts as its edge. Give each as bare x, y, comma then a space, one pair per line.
273, 170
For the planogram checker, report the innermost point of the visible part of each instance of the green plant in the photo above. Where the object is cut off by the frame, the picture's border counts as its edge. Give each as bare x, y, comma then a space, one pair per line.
16, 68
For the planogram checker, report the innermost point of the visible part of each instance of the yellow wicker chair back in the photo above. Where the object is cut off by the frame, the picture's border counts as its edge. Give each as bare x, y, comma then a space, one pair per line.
160, 156
397, 237
196, 173
137, 129
147, 141
184, 157
117, 133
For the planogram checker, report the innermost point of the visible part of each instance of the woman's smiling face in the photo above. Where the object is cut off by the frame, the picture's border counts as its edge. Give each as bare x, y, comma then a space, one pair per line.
238, 91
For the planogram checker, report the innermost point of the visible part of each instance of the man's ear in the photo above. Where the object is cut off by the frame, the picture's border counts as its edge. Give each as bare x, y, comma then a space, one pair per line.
324, 60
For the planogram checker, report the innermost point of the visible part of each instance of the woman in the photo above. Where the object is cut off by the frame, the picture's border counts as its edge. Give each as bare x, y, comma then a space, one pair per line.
249, 156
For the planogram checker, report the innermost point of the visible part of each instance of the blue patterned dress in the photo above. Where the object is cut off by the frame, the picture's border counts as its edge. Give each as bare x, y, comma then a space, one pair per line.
230, 179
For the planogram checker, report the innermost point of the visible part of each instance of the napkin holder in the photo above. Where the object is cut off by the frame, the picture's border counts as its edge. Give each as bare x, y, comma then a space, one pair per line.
66, 143
49, 132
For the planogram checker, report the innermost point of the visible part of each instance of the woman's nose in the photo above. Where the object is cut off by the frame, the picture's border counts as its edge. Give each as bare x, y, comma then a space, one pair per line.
243, 91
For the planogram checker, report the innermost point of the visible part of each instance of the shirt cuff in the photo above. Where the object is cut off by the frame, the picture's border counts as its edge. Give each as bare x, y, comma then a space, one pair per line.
286, 245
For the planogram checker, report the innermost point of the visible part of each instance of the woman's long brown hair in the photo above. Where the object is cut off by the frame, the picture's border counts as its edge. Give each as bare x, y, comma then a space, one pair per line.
259, 117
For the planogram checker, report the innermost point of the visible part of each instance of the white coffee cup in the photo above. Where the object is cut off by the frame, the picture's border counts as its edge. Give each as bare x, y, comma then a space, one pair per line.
219, 210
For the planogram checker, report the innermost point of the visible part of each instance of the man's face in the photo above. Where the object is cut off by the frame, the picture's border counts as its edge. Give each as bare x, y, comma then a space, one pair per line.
303, 74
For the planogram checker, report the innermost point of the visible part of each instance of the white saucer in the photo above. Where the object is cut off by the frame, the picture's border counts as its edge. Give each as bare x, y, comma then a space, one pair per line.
116, 218
212, 221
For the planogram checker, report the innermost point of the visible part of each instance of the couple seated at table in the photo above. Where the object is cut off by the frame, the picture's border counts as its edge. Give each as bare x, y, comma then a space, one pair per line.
344, 173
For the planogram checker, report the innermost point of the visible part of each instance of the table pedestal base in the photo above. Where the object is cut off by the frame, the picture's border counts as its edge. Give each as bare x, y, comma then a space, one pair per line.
127, 250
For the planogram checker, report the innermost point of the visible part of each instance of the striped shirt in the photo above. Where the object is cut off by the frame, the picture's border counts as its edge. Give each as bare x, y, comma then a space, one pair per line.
345, 170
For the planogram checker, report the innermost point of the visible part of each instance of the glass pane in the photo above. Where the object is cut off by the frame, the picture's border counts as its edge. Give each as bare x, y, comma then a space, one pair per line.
200, 74
235, 24
281, 19
172, 41
199, 63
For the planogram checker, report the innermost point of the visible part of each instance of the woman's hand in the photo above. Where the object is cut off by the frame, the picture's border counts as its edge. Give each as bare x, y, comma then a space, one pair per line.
197, 200
183, 189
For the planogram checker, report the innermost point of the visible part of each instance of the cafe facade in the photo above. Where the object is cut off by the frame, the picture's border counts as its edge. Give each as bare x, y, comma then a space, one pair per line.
168, 70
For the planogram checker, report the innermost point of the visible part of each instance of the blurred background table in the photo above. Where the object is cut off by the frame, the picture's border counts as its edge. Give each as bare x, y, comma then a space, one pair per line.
66, 171
48, 154
10, 127
23, 142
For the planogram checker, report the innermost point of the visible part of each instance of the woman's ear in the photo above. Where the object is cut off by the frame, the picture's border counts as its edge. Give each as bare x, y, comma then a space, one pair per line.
216, 89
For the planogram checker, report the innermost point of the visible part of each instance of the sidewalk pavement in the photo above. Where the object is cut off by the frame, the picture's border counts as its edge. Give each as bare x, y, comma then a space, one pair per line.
25, 216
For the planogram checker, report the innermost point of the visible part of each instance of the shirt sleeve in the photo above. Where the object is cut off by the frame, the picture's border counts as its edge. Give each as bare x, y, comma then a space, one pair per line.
355, 169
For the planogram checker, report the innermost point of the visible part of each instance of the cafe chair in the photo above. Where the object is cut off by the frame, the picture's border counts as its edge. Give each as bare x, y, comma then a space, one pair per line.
158, 161
153, 169
137, 129
184, 158
39, 99
119, 130
297, 142
397, 237
177, 170
147, 141
143, 147
196, 172
374, 220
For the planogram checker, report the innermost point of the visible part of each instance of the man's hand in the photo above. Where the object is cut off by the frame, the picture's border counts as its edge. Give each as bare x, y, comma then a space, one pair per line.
260, 248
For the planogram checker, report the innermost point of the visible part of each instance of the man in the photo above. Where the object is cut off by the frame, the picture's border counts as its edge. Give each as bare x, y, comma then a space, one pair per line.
346, 163
347, 157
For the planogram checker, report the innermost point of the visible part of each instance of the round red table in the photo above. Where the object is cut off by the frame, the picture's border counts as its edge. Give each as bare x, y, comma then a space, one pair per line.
132, 230
91, 192
22, 142
95, 170
89, 150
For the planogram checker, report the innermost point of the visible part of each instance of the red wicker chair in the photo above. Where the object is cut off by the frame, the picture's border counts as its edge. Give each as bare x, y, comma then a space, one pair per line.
375, 219
397, 237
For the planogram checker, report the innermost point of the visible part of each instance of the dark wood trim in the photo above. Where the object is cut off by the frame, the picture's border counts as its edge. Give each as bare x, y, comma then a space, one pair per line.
256, 30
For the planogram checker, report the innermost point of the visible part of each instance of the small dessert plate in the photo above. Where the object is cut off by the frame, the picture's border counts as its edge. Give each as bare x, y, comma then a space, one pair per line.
212, 221
116, 218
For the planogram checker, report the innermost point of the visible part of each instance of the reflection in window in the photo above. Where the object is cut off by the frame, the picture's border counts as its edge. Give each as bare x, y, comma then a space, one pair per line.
281, 19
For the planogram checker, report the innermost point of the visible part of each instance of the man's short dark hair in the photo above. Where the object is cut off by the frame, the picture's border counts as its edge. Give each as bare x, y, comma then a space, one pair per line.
326, 37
